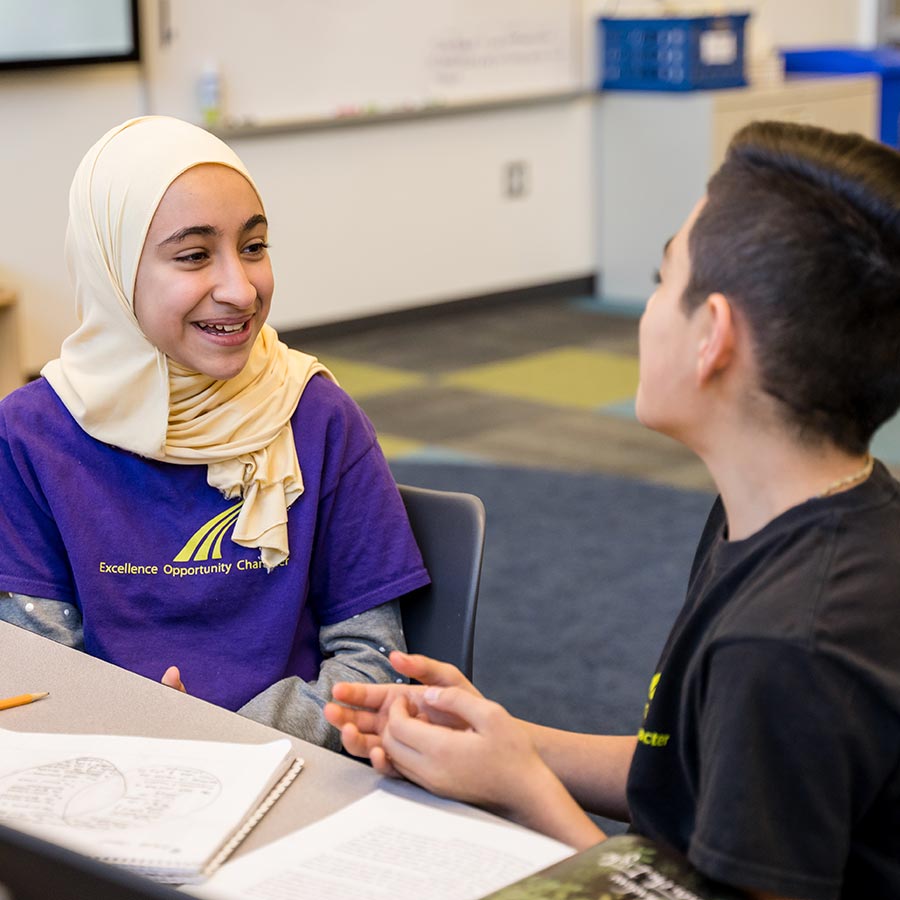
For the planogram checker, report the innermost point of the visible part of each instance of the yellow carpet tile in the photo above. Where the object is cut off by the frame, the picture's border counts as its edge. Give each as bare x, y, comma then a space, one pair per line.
568, 377
363, 380
396, 447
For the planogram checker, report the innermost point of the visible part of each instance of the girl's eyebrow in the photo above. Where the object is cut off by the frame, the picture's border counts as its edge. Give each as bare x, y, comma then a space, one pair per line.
178, 236
210, 230
253, 221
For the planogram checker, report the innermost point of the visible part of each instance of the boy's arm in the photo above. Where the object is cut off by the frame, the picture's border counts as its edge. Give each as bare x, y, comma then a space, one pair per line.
361, 710
593, 767
491, 762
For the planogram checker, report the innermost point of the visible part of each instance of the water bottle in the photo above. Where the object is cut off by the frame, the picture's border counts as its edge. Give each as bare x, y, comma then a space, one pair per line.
209, 90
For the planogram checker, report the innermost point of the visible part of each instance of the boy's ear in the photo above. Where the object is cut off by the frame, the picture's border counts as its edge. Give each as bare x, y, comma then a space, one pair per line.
717, 341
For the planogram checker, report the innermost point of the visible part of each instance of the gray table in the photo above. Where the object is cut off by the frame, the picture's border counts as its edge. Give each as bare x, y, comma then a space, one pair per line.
89, 696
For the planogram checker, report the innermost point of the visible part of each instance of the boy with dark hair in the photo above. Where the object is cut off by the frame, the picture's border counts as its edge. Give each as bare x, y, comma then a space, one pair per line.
770, 748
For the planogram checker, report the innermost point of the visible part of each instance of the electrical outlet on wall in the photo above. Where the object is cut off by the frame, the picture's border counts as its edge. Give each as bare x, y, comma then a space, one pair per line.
516, 179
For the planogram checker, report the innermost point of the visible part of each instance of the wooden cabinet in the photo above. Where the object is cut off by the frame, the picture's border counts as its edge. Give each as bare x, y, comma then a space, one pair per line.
657, 150
10, 366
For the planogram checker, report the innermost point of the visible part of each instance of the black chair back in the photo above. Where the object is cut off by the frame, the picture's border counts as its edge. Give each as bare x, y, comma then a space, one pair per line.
439, 620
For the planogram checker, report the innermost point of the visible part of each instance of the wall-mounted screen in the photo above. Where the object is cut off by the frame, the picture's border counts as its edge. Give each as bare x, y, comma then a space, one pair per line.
39, 33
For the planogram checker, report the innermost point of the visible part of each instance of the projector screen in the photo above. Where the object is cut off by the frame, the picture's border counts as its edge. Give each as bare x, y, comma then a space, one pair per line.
63, 33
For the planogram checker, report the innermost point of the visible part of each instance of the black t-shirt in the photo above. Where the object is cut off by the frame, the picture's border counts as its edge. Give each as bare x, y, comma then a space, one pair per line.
770, 748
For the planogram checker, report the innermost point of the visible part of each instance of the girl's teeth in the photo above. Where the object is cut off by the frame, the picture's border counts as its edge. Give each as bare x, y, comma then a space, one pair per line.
222, 329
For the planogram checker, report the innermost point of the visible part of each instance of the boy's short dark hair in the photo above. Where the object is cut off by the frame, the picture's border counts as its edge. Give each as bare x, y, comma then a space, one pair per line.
801, 232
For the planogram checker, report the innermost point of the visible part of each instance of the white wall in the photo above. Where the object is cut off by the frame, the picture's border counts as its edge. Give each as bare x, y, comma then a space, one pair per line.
408, 213
48, 119
363, 219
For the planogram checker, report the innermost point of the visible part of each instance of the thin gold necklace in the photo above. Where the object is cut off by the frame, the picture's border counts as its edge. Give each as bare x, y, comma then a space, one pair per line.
850, 480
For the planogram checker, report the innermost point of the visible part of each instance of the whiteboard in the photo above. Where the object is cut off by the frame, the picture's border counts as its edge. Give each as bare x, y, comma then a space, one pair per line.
283, 60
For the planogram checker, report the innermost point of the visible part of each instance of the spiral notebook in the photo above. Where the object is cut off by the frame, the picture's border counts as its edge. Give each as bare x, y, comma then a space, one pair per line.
172, 810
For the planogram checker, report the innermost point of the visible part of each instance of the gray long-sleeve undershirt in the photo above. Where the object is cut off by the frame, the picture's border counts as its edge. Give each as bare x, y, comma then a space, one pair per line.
355, 649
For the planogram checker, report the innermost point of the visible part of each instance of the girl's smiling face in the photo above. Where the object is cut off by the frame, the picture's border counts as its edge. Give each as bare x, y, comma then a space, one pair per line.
204, 282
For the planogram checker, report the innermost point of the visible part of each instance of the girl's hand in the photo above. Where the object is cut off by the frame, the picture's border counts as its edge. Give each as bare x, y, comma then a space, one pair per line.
172, 679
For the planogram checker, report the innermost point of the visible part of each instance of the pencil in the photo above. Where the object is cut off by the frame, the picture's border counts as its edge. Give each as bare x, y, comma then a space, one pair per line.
21, 699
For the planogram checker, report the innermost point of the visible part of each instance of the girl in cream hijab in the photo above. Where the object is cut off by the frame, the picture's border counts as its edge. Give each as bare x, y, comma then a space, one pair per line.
180, 486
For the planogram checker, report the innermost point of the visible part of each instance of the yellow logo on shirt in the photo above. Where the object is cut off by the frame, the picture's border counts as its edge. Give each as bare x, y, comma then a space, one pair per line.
652, 738
206, 542
654, 681
201, 551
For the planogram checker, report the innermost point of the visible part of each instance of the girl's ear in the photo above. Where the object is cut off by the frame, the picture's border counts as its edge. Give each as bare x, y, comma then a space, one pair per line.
715, 351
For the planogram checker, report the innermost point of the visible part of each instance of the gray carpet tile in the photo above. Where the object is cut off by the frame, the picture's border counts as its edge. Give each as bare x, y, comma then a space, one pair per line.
576, 441
435, 414
624, 342
508, 430
583, 576
469, 337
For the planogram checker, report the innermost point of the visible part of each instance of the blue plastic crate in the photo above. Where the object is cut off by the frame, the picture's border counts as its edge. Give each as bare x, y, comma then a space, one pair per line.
674, 53
885, 61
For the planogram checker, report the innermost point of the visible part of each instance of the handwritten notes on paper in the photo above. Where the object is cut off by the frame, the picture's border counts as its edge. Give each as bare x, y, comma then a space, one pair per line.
93, 793
163, 808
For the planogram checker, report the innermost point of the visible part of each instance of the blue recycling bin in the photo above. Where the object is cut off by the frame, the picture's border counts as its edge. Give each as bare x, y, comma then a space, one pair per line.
884, 61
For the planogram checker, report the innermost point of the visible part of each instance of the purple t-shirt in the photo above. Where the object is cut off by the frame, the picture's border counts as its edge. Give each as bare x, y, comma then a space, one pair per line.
144, 548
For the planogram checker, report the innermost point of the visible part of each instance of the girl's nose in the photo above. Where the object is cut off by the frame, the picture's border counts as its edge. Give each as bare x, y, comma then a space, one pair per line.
233, 286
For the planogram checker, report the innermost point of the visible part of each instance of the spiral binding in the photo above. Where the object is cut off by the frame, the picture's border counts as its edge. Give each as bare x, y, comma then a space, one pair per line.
258, 813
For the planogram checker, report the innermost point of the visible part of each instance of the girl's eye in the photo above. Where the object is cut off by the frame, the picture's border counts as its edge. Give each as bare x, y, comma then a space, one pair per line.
657, 277
256, 248
195, 257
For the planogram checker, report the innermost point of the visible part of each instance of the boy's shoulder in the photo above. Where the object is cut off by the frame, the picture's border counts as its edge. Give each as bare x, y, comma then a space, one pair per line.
811, 539
823, 581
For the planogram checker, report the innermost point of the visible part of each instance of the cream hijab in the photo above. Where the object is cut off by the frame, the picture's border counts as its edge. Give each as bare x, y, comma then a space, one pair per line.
122, 390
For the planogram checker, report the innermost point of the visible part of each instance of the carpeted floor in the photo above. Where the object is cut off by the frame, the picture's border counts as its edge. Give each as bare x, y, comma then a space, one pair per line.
583, 576
592, 518
548, 383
